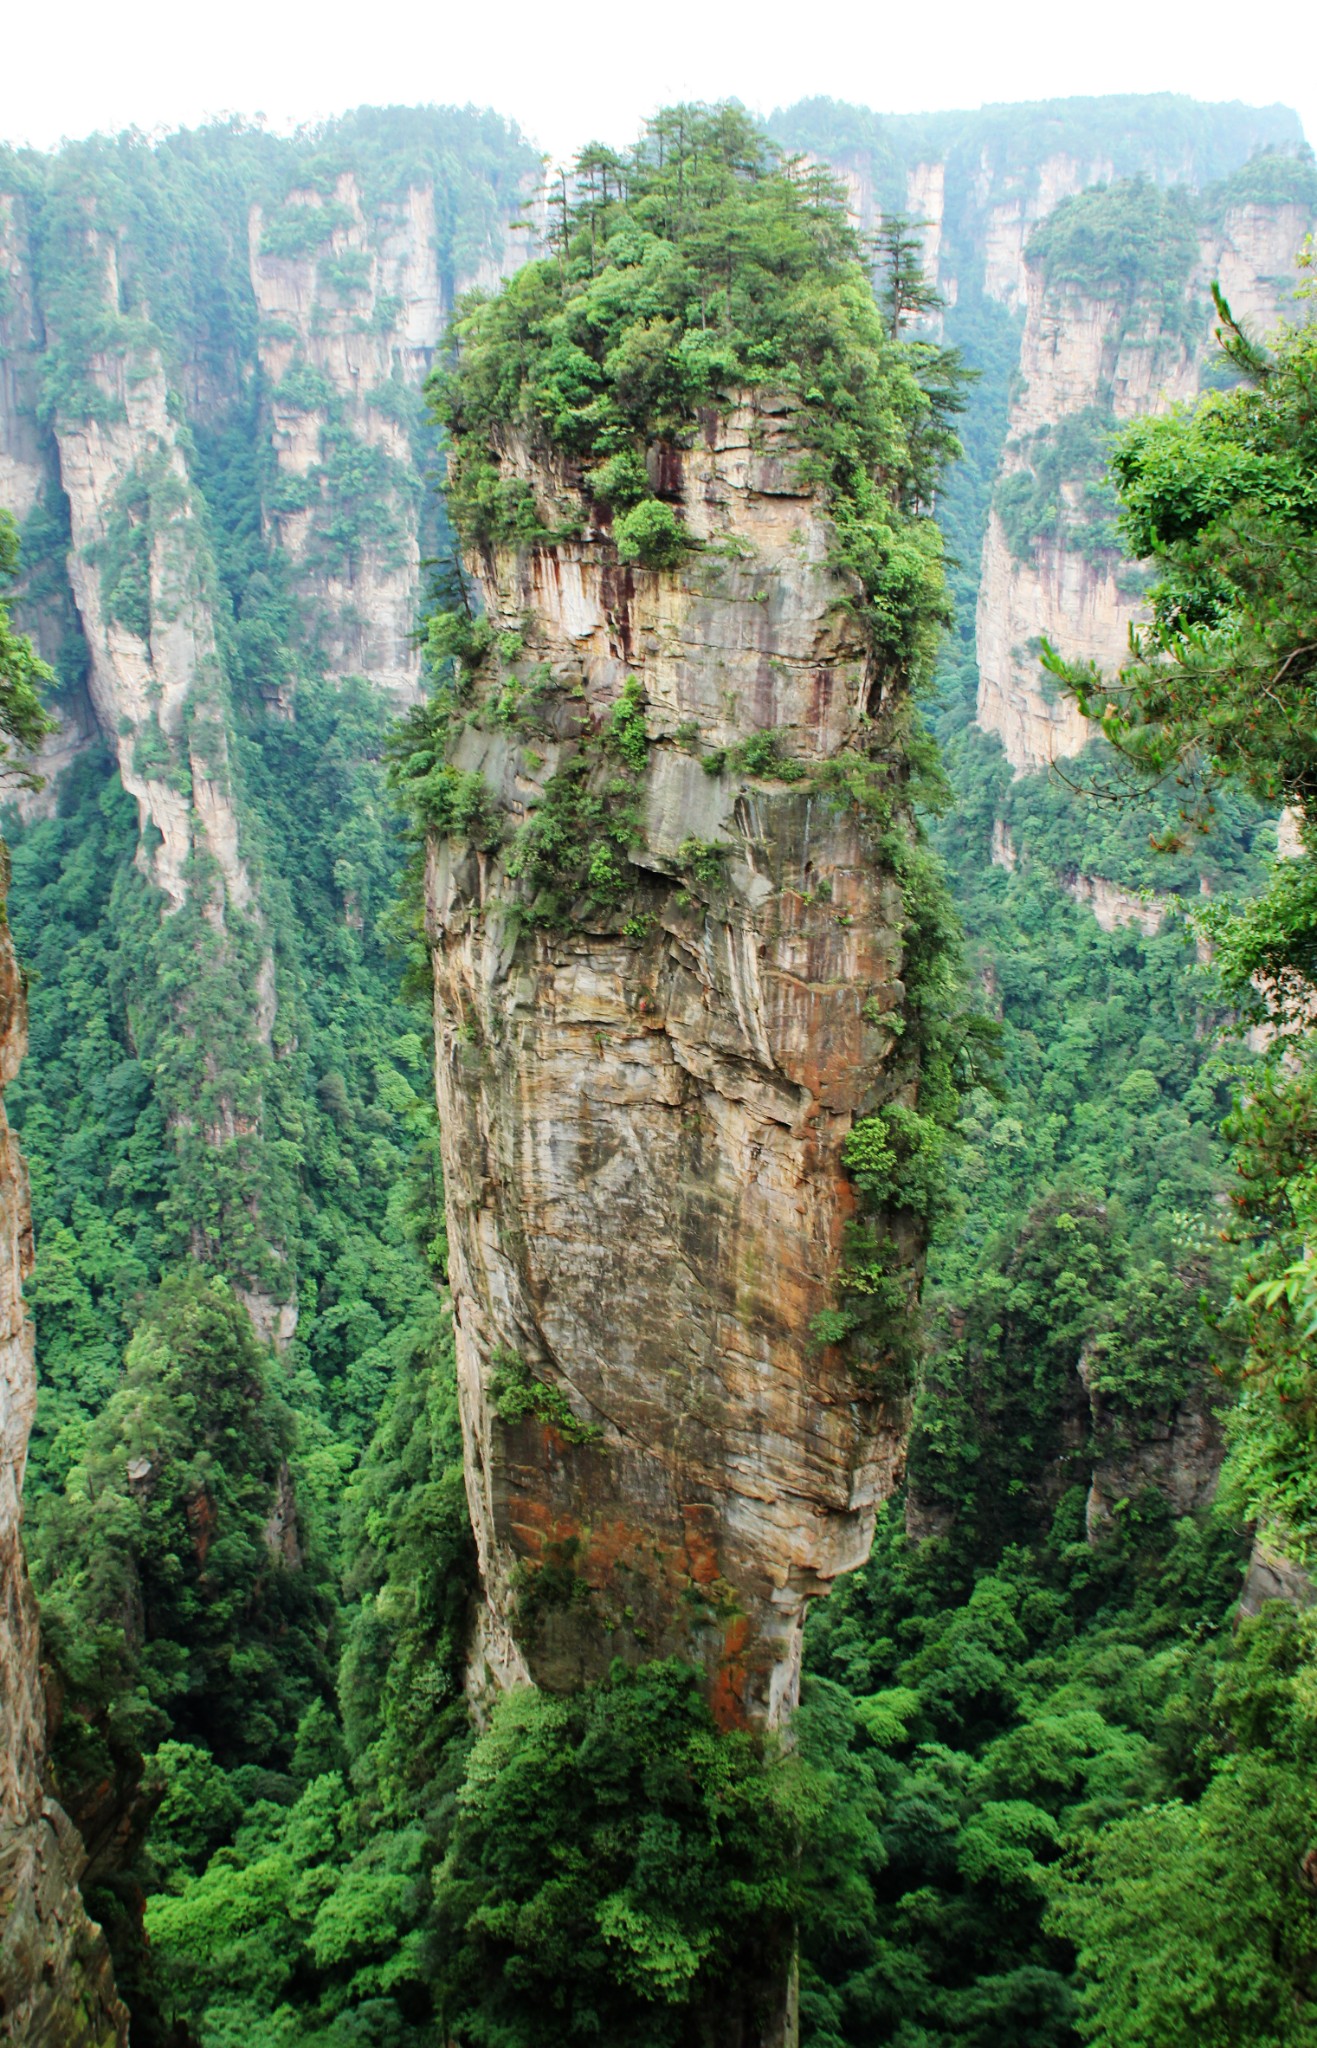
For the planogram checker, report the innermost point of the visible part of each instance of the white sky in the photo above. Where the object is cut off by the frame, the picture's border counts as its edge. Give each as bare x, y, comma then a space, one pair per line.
569, 73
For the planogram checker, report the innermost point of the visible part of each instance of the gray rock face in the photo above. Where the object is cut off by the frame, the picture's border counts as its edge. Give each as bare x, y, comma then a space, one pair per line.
1273, 1576
1178, 1456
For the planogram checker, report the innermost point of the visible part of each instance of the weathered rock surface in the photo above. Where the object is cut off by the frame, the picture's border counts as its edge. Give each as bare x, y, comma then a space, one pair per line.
1178, 1456
642, 1116
155, 677
1073, 601
1085, 353
29, 477
348, 331
56, 1980
362, 313
1113, 906
1273, 1576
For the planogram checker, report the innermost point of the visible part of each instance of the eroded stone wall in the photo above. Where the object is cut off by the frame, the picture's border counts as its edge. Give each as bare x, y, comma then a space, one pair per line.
643, 1115
1093, 354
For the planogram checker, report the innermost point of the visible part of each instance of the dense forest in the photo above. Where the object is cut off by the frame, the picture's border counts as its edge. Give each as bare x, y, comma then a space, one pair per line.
1047, 1783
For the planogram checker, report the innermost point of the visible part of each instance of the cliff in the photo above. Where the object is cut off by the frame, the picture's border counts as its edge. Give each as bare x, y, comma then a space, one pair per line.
29, 487
643, 1105
1093, 356
352, 302
56, 1981
209, 433
143, 582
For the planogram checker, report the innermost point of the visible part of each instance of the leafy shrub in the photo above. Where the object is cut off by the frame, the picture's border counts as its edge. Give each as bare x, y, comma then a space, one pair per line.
626, 733
897, 1158
299, 230
517, 1392
651, 534
622, 481
616, 1861
707, 266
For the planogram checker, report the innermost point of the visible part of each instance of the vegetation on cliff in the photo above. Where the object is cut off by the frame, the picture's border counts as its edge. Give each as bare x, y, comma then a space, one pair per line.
1041, 1793
24, 721
1222, 499
695, 267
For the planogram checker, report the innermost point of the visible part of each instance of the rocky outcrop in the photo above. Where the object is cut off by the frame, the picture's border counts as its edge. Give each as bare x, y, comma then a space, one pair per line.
348, 325
1273, 1576
143, 581
1080, 355
1112, 906
1251, 256
1011, 214
642, 1108
1105, 358
1067, 597
1177, 1455
29, 479
23, 450
352, 305
56, 1980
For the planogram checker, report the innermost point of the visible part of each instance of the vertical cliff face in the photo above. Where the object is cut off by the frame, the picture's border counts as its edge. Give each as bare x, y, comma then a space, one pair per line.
56, 1982
351, 308
643, 1104
1090, 361
144, 584
303, 324
353, 298
29, 482
1013, 204
1053, 592
22, 446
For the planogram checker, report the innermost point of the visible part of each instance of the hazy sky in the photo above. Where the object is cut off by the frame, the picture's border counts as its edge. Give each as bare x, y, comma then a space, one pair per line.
568, 73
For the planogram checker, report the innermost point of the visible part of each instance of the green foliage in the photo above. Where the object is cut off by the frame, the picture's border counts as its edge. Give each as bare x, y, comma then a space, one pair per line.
651, 534
996, 1717
1271, 177
299, 230
1199, 1918
516, 1392
896, 1156
1130, 238
23, 720
622, 482
702, 860
616, 1861
626, 735
1164, 135
345, 275
166, 1607
1197, 1913
760, 755
1224, 497
571, 854
293, 1907
896, 1160
440, 799
1033, 503
696, 267
457, 636
1000, 1725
